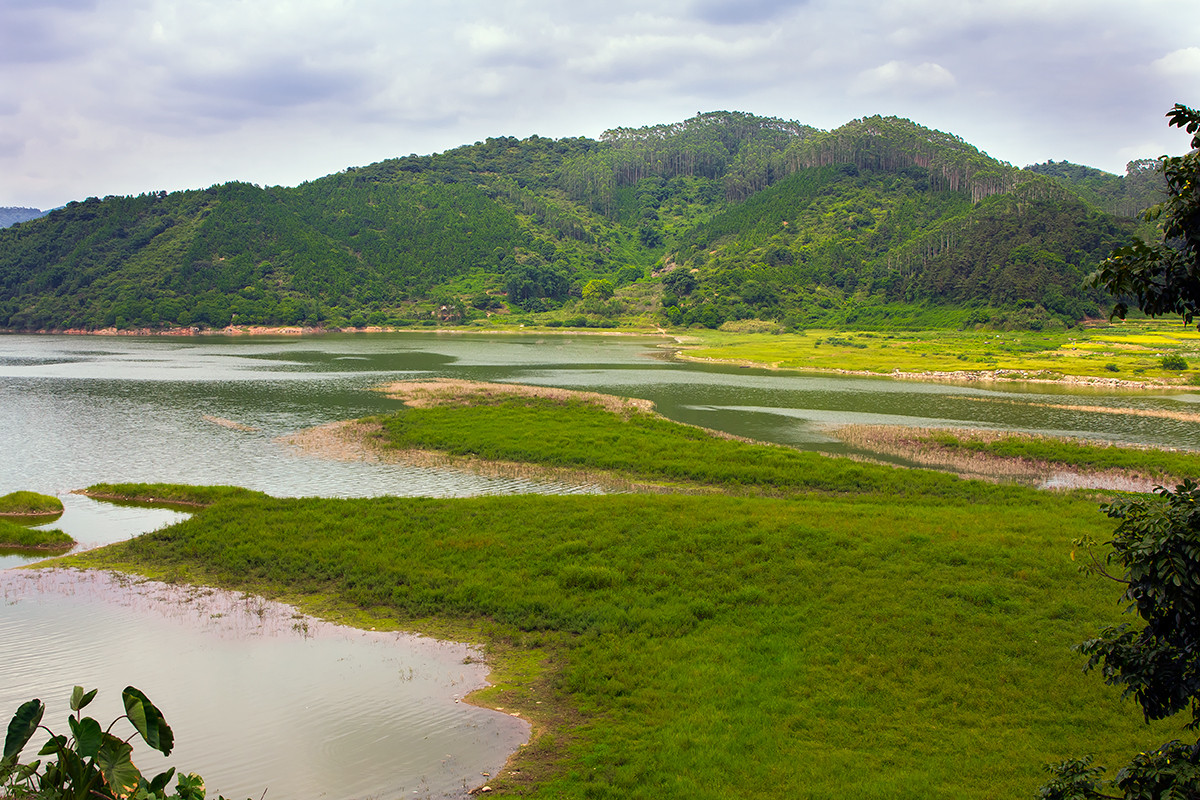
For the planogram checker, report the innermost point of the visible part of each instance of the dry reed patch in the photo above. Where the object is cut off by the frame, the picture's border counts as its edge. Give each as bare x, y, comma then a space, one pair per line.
447, 391
919, 446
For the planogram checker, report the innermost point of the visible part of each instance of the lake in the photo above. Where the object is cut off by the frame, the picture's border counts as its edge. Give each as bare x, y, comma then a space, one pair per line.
81, 410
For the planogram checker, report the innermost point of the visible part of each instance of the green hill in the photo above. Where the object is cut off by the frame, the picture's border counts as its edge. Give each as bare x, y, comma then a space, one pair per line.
754, 217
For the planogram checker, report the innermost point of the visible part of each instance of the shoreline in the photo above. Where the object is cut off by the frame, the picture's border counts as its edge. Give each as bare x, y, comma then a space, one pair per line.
317, 330
218, 605
914, 445
677, 351
963, 377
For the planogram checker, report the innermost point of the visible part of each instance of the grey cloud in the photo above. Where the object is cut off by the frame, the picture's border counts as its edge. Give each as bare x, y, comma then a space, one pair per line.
738, 12
35, 34
260, 88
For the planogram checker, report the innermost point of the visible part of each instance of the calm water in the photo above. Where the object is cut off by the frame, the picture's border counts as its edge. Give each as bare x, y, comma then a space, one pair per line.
259, 698
80, 410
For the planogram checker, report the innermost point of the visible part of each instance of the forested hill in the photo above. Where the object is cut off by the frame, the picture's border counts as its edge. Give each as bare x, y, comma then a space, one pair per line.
1127, 195
723, 217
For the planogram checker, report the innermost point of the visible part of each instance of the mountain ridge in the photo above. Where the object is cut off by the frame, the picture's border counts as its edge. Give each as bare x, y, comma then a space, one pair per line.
771, 218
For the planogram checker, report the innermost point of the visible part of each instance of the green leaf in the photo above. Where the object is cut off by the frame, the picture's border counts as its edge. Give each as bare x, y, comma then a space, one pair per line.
190, 787
22, 726
160, 781
87, 736
116, 766
54, 745
148, 720
80, 698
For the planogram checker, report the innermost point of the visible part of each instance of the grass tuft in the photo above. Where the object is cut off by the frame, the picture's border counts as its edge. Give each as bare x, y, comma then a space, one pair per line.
29, 504
19, 537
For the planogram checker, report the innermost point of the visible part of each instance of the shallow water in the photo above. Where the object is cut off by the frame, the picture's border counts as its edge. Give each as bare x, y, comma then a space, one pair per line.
259, 697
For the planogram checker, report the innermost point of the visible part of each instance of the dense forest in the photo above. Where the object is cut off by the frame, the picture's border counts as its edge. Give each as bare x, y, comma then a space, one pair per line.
720, 218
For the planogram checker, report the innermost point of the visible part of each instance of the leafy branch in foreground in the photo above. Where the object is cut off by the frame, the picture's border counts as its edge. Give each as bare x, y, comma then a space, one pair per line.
1157, 543
1164, 276
91, 762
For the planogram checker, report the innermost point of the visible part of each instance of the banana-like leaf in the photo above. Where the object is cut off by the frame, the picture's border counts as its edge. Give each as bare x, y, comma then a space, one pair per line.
115, 761
80, 698
22, 727
87, 736
56, 744
148, 720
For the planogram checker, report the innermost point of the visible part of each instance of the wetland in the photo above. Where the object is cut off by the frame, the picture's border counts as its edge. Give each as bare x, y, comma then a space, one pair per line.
848, 602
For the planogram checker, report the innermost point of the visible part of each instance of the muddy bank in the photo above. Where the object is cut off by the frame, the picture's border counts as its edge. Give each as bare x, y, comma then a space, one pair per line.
919, 446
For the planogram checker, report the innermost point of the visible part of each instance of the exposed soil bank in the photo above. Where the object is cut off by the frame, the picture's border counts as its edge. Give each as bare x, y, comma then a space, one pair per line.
363, 440
916, 446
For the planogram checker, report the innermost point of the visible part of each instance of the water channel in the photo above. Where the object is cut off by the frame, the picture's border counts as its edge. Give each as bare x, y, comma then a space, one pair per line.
80, 410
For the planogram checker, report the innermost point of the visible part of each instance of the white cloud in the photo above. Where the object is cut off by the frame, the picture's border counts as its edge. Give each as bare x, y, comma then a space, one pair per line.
1183, 63
899, 77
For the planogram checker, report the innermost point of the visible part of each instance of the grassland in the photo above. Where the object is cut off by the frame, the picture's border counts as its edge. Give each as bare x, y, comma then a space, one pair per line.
19, 537
1106, 354
810, 627
161, 494
29, 504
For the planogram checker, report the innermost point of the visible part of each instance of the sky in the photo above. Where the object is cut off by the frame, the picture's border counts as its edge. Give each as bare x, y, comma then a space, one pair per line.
116, 97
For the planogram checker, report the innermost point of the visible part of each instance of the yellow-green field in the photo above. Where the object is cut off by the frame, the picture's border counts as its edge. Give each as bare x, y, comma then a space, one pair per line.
1128, 351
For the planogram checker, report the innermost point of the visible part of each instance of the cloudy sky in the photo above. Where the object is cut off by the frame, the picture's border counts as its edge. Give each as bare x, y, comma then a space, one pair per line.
102, 97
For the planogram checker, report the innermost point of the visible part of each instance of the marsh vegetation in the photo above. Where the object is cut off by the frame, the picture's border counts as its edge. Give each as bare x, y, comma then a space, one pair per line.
806, 625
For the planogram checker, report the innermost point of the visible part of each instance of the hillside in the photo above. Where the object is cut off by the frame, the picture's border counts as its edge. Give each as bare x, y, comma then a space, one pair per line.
737, 216
1125, 195
11, 215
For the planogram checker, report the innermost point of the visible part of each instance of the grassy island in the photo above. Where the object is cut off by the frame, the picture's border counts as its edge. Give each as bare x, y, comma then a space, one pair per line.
29, 504
764, 623
19, 537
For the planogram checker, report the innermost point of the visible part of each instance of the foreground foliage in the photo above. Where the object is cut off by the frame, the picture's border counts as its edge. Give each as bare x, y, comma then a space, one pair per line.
1157, 543
92, 762
1163, 276
1157, 548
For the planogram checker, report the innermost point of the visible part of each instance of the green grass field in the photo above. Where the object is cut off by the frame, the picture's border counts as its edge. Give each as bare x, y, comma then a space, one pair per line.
1131, 351
19, 537
812, 628
29, 504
